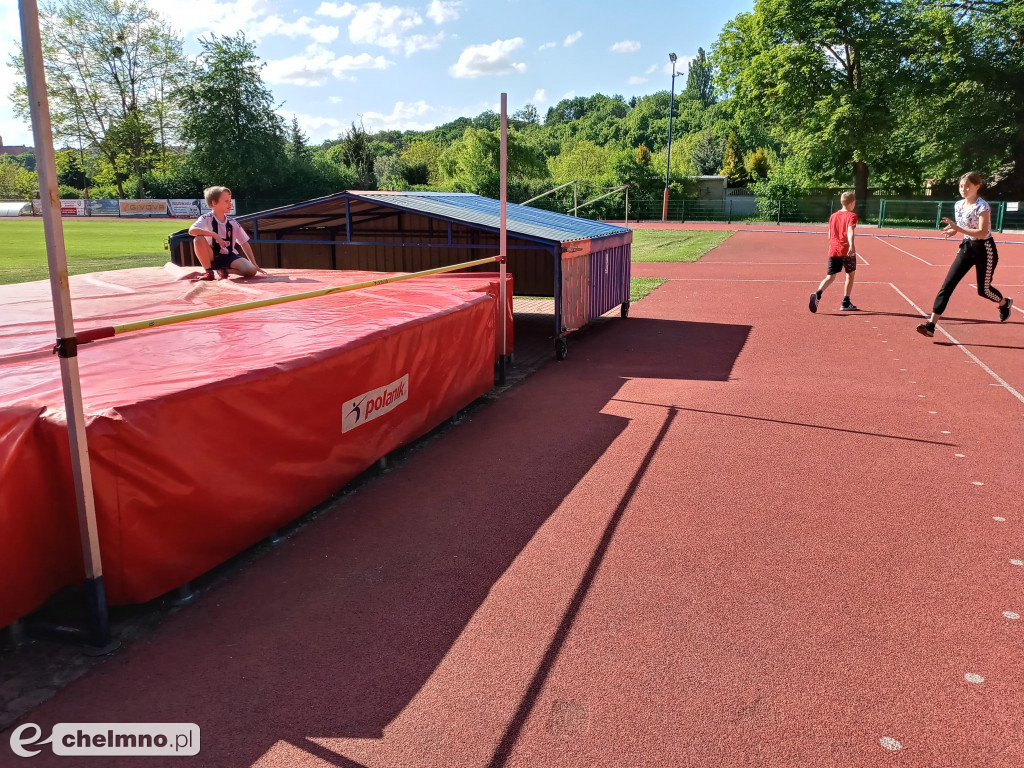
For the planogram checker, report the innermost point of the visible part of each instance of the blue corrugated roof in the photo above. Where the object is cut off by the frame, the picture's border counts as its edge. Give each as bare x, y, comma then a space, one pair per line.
485, 211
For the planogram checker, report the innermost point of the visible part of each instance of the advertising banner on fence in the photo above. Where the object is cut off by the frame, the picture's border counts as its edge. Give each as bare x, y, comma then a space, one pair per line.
103, 207
143, 207
193, 209
182, 208
67, 207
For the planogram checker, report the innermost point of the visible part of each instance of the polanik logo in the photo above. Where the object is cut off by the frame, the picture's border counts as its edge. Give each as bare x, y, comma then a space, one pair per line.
374, 403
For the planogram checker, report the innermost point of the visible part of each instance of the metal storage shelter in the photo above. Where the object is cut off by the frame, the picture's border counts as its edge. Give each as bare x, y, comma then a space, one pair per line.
583, 264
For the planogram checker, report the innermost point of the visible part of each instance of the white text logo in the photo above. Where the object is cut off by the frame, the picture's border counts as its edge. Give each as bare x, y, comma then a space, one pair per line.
375, 403
109, 739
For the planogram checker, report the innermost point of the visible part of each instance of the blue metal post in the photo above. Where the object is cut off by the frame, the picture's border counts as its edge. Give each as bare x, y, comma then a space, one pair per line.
668, 163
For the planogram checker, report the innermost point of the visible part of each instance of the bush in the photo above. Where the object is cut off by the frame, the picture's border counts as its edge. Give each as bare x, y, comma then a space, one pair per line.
782, 183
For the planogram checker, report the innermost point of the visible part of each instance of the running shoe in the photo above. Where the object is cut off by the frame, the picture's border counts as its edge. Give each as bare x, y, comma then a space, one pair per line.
1004, 311
849, 307
926, 330
813, 304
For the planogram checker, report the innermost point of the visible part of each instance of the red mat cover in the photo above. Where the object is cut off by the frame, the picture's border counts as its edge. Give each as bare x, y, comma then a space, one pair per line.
204, 437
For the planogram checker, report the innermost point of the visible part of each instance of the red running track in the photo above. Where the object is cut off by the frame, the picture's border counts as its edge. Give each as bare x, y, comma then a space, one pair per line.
725, 532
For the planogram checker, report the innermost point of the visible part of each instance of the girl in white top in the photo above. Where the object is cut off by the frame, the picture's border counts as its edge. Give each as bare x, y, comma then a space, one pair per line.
977, 250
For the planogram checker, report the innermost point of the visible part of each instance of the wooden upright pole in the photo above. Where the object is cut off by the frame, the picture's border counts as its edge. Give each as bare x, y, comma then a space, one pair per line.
66, 348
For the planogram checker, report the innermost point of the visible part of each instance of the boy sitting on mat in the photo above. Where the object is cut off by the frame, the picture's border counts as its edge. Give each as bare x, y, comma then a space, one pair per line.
218, 239
842, 256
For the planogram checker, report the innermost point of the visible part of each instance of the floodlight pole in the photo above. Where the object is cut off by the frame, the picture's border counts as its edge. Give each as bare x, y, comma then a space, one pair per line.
503, 236
66, 348
668, 163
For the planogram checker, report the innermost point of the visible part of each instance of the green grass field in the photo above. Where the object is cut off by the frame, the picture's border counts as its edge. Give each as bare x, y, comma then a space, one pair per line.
675, 244
93, 245
641, 286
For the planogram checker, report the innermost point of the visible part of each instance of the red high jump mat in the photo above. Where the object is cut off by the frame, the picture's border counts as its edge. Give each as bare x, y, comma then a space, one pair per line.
205, 437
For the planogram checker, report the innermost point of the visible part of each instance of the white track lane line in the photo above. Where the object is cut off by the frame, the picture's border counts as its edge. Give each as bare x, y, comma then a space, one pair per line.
1014, 306
963, 349
863, 259
902, 251
727, 280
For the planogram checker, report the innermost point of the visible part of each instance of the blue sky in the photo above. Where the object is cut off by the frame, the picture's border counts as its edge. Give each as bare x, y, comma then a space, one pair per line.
414, 65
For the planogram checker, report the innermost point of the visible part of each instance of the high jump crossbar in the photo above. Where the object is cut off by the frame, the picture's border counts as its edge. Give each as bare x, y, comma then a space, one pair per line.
106, 332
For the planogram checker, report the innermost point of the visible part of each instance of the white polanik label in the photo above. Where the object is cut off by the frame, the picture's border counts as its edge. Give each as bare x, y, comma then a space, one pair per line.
109, 739
374, 403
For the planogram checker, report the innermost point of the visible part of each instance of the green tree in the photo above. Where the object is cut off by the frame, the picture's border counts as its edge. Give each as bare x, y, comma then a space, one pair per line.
228, 119
584, 161
420, 159
110, 64
757, 164
390, 172
700, 80
16, 182
707, 154
298, 144
471, 164
969, 103
732, 161
354, 151
827, 76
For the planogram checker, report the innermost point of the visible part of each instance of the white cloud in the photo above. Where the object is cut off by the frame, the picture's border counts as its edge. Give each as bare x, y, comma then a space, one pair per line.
493, 59
636, 80
441, 11
386, 26
682, 65
335, 99
651, 69
336, 11
198, 16
546, 46
569, 95
571, 39
540, 96
275, 25
625, 46
404, 117
315, 127
317, 65
422, 43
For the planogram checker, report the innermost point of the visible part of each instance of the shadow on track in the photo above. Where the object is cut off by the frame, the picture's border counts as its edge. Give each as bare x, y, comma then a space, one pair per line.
335, 632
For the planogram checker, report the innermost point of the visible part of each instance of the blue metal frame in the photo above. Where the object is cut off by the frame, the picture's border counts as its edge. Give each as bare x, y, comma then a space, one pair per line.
492, 246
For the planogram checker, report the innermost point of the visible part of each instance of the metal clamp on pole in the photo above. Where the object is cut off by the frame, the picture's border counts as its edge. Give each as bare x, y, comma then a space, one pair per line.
66, 347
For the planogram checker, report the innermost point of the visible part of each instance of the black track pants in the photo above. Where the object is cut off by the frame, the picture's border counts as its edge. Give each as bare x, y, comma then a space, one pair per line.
980, 254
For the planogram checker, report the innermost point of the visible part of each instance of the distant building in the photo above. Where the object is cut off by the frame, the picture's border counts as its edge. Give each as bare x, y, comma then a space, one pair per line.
16, 149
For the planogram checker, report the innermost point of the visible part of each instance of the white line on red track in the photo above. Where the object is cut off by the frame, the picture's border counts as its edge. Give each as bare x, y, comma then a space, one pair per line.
963, 349
902, 251
727, 280
863, 259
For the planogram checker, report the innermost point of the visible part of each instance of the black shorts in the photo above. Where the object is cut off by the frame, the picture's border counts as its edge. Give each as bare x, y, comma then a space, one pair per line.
225, 260
837, 264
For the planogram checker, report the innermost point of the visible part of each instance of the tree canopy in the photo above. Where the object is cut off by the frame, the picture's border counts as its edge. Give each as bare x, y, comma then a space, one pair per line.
796, 94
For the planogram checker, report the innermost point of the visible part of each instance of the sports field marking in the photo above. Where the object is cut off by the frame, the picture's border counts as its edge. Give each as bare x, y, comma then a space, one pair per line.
902, 251
964, 349
726, 280
1013, 306
863, 259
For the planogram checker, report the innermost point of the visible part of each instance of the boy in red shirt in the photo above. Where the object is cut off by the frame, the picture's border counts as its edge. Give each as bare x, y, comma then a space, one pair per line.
842, 256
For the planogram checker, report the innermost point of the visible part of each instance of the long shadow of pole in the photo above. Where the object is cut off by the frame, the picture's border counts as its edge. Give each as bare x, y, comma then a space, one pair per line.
515, 727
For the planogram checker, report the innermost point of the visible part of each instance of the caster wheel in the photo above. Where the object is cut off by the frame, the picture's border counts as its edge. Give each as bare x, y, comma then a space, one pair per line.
561, 349
624, 309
